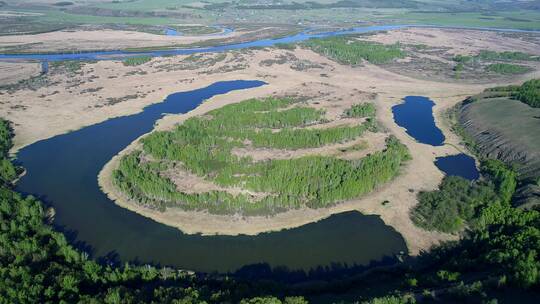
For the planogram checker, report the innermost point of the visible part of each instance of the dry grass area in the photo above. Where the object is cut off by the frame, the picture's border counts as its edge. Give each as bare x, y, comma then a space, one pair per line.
13, 72
105, 39
431, 52
459, 41
68, 103
91, 39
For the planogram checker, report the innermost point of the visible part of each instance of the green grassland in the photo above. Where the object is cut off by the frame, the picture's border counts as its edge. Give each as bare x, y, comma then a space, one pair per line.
203, 145
513, 19
508, 69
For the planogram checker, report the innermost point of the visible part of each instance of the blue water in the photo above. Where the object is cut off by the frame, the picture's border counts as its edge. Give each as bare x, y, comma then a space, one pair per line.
415, 114
458, 165
222, 31
63, 171
107, 55
172, 32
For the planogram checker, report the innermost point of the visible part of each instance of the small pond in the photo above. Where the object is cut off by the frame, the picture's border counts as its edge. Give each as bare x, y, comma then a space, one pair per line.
458, 165
415, 114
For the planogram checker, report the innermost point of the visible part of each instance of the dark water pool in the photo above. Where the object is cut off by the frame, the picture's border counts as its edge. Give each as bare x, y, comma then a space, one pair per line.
63, 172
458, 165
415, 114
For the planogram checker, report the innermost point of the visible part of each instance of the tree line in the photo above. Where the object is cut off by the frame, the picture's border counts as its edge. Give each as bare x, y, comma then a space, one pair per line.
347, 50
528, 92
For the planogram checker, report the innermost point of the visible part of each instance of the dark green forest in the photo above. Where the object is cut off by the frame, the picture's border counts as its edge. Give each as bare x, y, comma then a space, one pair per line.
203, 145
529, 93
459, 202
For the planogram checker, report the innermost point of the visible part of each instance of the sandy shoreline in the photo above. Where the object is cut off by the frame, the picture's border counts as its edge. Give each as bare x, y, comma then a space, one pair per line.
156, 83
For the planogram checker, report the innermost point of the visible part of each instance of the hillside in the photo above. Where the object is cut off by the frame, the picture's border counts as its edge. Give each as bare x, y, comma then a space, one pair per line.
503, 125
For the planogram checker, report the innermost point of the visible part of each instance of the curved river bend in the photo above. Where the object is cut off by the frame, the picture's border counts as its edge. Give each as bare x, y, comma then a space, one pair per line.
63, 172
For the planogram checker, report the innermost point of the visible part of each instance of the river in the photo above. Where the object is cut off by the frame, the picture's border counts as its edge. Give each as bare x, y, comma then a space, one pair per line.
63, 171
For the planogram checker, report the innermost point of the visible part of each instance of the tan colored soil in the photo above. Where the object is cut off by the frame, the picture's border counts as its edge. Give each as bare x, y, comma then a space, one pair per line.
460, 41
13, 72
84, 40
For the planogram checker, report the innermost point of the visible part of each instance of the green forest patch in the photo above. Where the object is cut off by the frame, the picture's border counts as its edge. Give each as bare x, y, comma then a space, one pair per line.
203, 146
347, 50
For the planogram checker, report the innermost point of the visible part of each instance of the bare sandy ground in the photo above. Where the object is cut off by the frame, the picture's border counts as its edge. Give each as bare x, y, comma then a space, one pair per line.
12, 72
458, 40
84, 40
72, 107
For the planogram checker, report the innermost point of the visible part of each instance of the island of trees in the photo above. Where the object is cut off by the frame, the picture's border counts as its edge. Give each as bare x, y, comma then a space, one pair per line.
204, 146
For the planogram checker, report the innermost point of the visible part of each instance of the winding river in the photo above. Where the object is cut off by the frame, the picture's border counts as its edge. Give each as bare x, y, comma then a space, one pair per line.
302, 36
63, 170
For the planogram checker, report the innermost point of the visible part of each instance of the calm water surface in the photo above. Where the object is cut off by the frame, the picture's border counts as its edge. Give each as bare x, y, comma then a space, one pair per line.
458, 165
415, 114
63, 172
